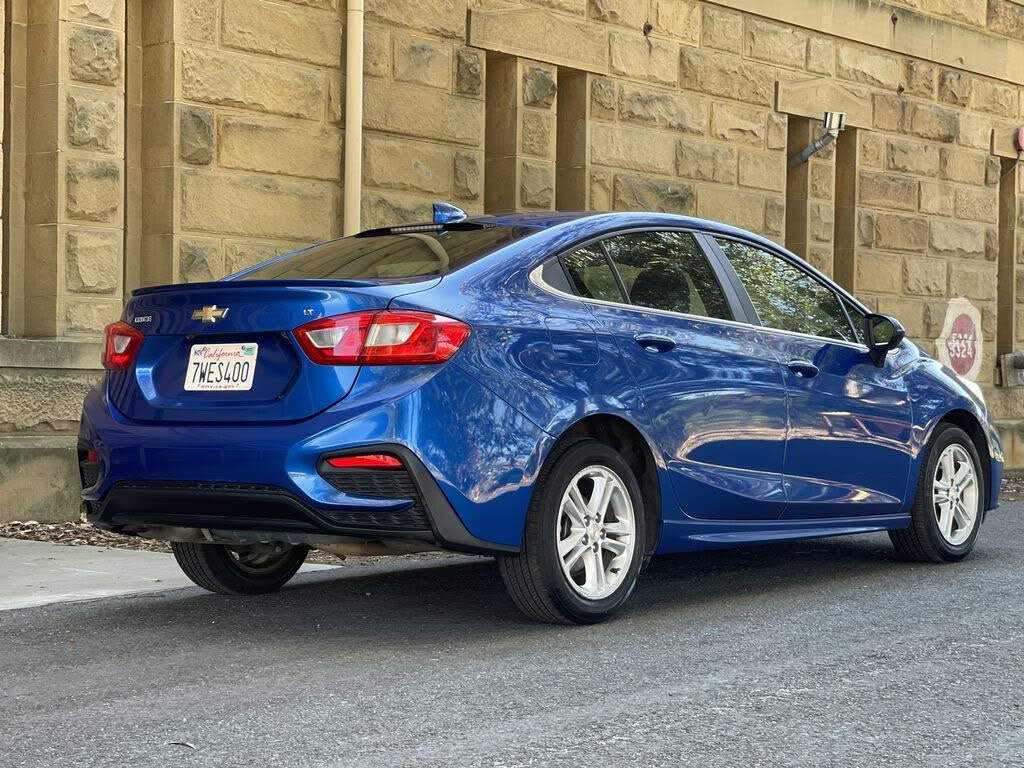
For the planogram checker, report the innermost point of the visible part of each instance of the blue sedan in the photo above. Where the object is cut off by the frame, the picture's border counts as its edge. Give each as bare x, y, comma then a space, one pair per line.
570, 393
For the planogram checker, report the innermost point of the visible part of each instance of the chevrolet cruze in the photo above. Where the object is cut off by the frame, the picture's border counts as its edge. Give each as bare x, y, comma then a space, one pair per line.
569, 393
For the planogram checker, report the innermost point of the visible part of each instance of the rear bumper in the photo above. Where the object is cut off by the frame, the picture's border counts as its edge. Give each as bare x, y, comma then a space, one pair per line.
427, 516
471, 462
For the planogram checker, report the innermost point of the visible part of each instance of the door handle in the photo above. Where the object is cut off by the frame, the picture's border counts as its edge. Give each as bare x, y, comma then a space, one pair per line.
655, 343
803, 368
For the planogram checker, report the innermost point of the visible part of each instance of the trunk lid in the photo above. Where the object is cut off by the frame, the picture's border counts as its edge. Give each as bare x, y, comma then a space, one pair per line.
234, 342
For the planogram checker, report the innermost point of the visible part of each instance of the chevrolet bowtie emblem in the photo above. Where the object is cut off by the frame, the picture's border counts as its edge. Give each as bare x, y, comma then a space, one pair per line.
210, 314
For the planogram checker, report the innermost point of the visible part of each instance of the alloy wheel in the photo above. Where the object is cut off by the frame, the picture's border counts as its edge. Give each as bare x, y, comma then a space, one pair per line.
955, 494
596, 532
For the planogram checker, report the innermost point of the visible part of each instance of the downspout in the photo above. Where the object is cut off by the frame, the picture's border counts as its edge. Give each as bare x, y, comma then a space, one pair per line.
353, 182
811, 149
834, 122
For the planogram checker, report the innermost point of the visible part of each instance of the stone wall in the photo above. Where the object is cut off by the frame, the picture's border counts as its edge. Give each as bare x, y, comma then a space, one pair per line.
63, 271
152, 141
423, 111
242, 140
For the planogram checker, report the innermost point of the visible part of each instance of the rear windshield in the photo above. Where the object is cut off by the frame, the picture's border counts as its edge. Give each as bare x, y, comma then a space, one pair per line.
388, 256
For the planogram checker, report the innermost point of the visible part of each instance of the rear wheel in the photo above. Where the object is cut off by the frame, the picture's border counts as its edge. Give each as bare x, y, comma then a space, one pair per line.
249, 569
584, 539
947, 512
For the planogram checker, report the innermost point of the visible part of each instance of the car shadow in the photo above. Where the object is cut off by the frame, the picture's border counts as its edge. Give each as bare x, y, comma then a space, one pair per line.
446, 602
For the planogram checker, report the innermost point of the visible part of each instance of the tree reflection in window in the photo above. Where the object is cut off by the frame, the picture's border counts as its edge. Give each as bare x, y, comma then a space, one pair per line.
668, 270
591, 275
786, 297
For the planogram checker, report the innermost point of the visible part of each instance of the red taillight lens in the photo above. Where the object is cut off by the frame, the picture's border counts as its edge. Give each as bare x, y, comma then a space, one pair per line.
121, 345
92, 457
382, 338
335, 340
365, 461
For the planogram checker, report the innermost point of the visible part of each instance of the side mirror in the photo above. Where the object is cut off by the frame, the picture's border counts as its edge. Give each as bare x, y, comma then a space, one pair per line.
882, 333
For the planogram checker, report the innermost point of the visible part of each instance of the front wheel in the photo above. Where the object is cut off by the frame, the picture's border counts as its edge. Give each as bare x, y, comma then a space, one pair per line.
948, 510
584, 539
248, 569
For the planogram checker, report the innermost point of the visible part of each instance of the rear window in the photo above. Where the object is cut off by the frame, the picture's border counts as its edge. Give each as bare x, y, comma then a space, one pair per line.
390, 256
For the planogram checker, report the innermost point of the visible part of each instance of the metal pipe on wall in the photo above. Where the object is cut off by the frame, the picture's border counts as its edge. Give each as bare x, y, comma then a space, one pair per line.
353, 177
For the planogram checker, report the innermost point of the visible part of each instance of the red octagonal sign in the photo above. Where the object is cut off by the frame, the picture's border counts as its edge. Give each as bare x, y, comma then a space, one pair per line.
960, 345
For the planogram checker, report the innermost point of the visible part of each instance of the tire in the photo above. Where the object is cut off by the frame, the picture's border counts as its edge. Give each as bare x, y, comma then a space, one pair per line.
220, 568
932, 538
535, 578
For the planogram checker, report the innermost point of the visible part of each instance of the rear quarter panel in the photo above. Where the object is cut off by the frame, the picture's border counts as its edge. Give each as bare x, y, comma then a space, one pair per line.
541, 353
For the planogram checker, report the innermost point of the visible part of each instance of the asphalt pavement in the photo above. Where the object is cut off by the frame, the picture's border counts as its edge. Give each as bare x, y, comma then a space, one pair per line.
819, 653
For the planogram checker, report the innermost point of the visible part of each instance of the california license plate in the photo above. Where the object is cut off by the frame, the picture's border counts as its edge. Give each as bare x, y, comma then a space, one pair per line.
221, 367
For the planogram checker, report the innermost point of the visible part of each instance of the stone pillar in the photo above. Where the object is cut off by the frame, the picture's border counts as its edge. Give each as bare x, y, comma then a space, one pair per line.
520, 135
241, 138
572, 155
157, 146
810, 193
73, 180
1008, 274
1016, 226
3, 224
797, 187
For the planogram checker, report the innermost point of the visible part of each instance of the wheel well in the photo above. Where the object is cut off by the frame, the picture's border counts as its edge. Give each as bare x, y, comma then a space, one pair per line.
619, 434
969, 424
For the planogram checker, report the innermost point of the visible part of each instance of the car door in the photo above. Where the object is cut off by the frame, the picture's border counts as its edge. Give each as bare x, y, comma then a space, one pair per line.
714, 396
848, 444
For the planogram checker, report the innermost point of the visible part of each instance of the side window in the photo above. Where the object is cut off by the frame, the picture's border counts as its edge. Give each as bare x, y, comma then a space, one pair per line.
785, 296
591, 275
669, 271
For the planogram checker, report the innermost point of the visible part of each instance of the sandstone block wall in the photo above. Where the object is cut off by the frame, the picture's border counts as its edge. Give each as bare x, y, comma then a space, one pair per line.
242, 133
151, 141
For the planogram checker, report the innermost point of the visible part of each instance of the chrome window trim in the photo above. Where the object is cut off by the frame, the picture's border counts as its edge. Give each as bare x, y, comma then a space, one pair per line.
535, 277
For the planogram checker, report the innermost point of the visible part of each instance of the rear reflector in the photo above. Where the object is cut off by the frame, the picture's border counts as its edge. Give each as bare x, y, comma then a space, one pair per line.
365, 461
120, 346
382, 338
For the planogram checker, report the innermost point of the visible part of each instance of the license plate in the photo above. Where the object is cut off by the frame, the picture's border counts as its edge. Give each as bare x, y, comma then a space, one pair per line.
221, 367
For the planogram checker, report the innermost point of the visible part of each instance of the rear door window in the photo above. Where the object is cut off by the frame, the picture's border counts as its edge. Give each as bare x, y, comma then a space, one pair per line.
591, 275
784, 296
669, 271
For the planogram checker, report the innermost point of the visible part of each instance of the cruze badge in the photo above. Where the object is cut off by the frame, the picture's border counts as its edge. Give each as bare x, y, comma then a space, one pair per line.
210, 314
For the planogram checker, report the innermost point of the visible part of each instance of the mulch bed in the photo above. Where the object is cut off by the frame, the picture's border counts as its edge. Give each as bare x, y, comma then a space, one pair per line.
1013, 487
83, 534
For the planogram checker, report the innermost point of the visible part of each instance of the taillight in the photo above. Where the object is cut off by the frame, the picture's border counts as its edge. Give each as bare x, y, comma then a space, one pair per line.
365, 461
121, 345
382, 338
